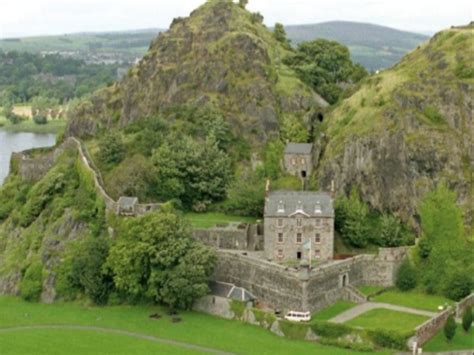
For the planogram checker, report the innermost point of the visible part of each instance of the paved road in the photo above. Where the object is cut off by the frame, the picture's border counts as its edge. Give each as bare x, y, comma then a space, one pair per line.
364, 307
120, 332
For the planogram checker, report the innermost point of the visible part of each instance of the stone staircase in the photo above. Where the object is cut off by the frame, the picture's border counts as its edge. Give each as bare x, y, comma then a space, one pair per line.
353, 294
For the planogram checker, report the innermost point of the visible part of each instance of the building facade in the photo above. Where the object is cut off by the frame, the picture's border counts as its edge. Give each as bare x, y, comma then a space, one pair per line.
298, 225
298, 159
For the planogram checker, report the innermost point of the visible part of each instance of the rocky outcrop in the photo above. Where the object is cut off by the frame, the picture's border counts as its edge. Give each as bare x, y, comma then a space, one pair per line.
222, 55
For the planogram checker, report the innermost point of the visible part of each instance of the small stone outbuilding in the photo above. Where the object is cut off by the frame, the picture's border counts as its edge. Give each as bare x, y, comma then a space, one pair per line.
127, 206
298, 159
299, 225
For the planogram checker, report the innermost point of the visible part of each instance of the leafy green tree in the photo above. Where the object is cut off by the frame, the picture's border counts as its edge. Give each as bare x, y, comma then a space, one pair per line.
406, 276
324, 64
243, 3
247, 195
31, 284
279, 34
450, 328
467, 319
111, 148
458, 285
391, 231
272, 158
293, 130
155, 257
352, 219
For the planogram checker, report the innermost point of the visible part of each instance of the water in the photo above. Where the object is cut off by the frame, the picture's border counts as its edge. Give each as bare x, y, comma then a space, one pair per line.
18, 141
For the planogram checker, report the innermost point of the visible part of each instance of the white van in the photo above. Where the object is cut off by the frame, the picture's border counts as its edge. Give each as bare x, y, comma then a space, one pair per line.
298, 316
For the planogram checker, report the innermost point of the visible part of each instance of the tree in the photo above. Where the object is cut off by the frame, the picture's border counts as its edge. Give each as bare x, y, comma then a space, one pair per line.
279, 34
352, 219
31, 284
155, 257
293, 130
458, 285
243, 3
391, 231
406, 276
467, 319
111, 148
450, 328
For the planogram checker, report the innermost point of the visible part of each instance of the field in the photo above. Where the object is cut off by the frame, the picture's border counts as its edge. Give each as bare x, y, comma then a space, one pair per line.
334, 310
53, 125
388, 320
412, 299
195, 329
461, 341
208, 220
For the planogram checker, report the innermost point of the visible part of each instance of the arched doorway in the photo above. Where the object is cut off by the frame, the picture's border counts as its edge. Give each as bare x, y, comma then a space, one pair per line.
344, 280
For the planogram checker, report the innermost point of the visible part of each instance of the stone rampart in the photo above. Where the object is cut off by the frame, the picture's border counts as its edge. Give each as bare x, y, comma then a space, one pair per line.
463, 304
428, 329
234, 236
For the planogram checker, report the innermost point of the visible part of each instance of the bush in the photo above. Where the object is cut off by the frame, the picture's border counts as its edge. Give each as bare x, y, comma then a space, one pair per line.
330, 330
467, 319
238, 308
362, 347
450, 328
31, 284
292, 330
39, 119
406, 276
458, 286
389, 339
111, 148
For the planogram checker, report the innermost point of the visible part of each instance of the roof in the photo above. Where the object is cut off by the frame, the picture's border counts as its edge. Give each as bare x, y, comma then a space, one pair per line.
298, 148
231, 291
127, 202
289, 203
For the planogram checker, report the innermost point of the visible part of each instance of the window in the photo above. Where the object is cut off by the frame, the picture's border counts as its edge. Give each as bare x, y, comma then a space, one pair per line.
293, 161
317, 222
281, 207
280, 222
299, 238
317, 238
303, 161
299, 222
280, 253
280, 237
317, 253
317, 208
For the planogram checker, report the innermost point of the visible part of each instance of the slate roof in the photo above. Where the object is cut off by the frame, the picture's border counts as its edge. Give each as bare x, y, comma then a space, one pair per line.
298, 148
231, 291
127, 202
310, 203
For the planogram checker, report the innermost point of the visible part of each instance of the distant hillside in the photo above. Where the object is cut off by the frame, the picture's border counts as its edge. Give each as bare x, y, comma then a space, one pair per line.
373, 46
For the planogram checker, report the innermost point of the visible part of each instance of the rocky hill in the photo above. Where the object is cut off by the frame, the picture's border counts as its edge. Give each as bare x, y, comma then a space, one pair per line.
408, 128
222, 55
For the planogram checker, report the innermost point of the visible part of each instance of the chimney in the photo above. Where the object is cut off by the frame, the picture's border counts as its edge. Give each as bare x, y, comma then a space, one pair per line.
267, 188
333, 190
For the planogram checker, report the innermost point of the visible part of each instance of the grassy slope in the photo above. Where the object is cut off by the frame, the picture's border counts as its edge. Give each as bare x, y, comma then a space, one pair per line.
79, 342
195, 328
370, 289
334, 310
461, 341
207, 220
412, 299
388, 320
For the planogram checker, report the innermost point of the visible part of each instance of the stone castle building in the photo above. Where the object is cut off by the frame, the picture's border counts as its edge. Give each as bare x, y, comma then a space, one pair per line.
298, 223
298, 159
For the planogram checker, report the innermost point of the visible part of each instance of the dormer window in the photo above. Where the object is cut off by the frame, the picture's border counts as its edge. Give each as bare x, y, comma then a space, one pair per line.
317, 208
299, 222
299, 206
281, 207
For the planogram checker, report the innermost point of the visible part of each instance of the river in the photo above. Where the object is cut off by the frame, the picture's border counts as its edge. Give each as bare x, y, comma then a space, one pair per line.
18, 141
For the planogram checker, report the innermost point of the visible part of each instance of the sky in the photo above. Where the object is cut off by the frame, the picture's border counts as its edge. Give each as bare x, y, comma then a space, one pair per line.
20, 18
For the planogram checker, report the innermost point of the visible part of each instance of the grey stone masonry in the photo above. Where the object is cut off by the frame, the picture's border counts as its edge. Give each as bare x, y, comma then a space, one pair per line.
298, 225
298, 159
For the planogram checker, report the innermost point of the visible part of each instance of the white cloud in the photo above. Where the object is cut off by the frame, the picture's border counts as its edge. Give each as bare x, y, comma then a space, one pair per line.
35, 17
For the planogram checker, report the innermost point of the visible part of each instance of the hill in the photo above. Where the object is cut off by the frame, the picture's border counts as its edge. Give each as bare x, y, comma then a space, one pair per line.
407, 129
373, 46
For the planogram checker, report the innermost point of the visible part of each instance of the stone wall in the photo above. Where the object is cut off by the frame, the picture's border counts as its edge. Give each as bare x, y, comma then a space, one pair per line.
299, 289
295, 164
428, 329
465, 302
234, 236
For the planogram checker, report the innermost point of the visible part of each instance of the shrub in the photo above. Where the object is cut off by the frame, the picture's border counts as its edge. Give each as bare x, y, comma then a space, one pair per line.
391, 231
111, 148
263, 317
450, 328
433, 114
31, 284
406, 276
467, 319
458, 285
294, 330
363, 347
389, 339
40, 119
238, 308
330, 330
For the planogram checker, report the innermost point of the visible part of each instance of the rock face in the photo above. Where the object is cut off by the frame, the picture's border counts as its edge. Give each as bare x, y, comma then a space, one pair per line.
222, 55
407, 129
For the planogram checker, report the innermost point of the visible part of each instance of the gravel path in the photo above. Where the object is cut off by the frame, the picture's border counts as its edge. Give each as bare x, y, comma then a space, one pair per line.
120, 332
364, 307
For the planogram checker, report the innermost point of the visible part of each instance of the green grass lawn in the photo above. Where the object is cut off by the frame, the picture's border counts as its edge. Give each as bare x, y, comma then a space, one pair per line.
413, 299
208, 220
334, 310
55, 341
196, 328
461, 341
370, 289
53, 126
388, 320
